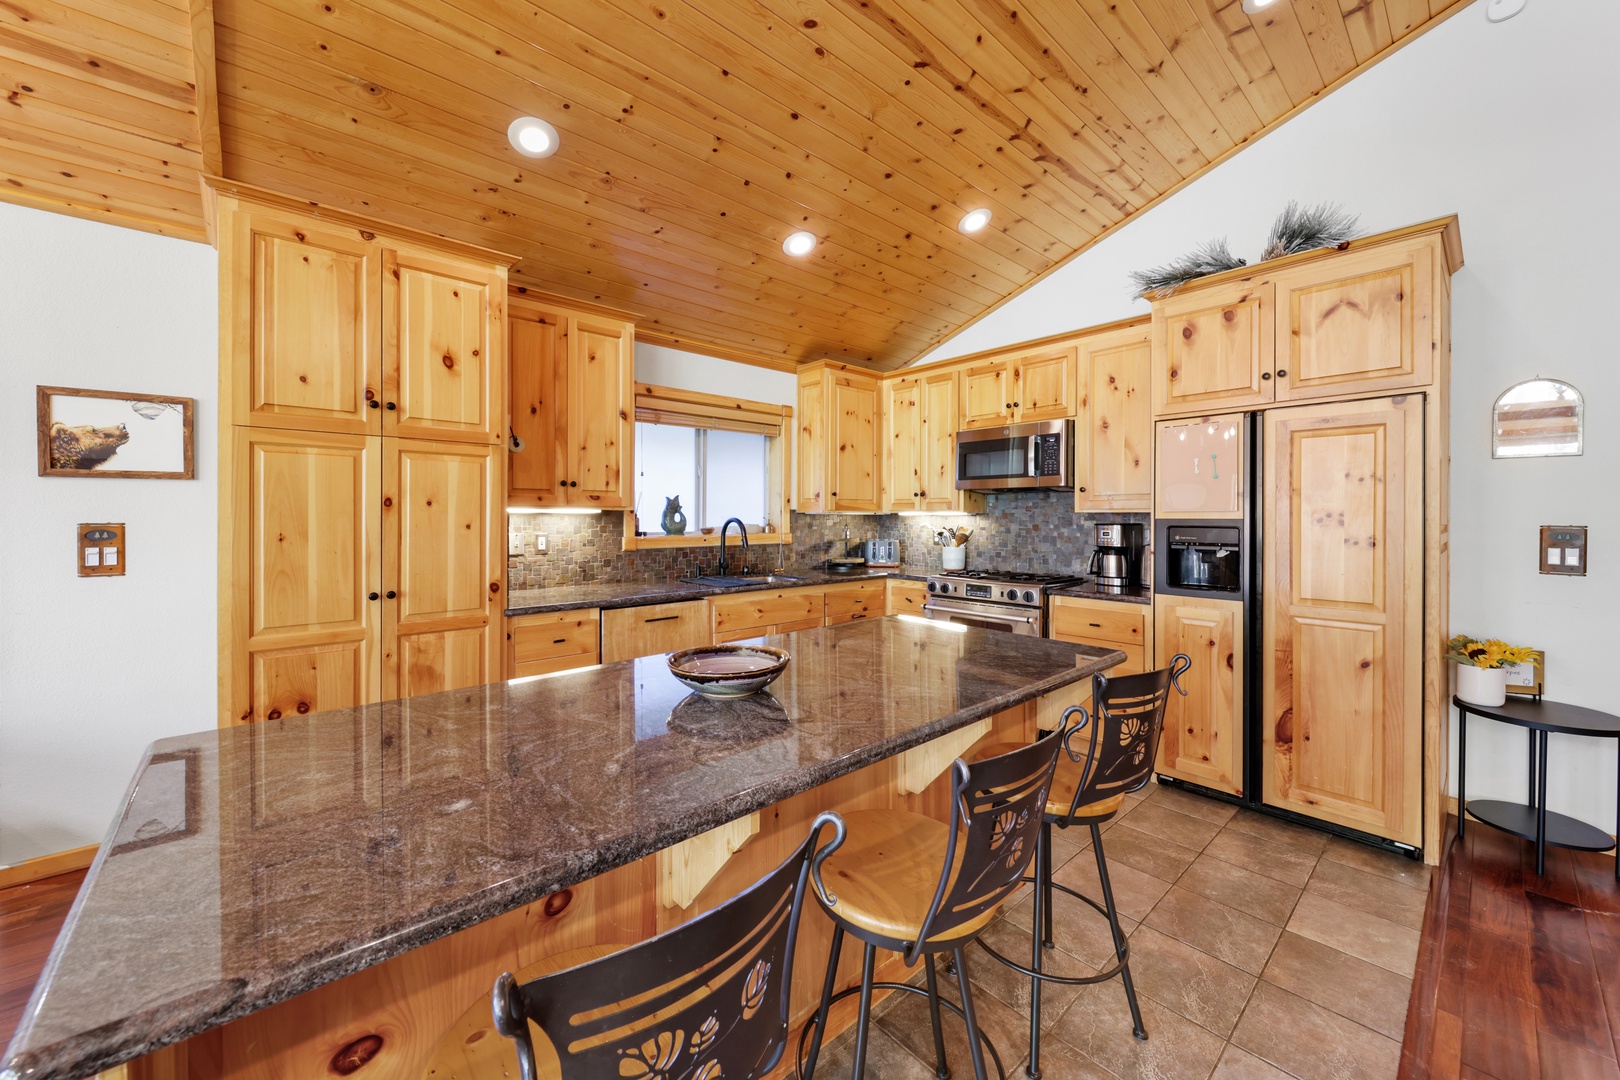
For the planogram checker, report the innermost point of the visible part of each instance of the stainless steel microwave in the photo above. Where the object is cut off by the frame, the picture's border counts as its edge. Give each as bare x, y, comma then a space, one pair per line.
1018, 457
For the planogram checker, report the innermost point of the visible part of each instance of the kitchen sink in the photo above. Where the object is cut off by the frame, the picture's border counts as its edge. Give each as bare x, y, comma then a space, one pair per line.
731, 581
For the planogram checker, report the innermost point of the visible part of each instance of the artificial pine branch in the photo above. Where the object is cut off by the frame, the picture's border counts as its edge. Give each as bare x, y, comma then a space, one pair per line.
1308, 228
1161, 281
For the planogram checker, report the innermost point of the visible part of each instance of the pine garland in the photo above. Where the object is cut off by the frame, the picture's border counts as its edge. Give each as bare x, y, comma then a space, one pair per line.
1161, 281
1308, 228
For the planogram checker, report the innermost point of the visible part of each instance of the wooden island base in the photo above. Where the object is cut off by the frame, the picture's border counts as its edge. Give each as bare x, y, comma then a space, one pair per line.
398, 1020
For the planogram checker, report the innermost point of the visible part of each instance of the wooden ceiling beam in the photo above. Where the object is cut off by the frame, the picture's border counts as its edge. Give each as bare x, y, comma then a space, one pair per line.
206, 81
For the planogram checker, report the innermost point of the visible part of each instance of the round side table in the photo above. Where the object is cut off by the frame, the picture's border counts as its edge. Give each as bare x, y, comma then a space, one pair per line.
1534, 821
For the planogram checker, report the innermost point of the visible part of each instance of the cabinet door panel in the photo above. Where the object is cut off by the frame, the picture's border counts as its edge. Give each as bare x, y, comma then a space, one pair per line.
442, 558
1119, 624
986, 395
1043, 385
904, 449
810, 466
305, 555
654, 629
306, 321
1359, 322
539, 393
443, 366
1214, 349
937, 426
1114, 423
905, 597
855, 413
1343, 659
601, 413
1203, 732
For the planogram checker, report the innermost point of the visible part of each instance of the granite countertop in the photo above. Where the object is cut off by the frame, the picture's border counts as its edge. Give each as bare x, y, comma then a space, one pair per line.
252, 864
1088, 590
636, 594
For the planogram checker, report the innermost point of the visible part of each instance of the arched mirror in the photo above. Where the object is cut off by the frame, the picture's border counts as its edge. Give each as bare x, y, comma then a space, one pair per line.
1537, 418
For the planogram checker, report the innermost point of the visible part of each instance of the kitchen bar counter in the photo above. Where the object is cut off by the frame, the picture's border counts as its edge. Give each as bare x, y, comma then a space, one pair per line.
636, 594
255, 864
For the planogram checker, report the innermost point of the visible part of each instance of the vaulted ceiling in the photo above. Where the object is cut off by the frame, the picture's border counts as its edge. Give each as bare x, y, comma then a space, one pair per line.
696, 134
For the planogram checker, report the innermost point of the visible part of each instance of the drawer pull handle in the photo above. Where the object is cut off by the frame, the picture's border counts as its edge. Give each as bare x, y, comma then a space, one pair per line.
1096, 624
558, 640
661, 618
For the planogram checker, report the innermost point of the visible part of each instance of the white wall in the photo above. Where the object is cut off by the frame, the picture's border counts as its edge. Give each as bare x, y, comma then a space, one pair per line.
94, 669
663, 366
1511, 126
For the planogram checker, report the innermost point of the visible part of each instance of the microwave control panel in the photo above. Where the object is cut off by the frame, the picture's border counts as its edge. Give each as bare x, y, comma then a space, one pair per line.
1048, 455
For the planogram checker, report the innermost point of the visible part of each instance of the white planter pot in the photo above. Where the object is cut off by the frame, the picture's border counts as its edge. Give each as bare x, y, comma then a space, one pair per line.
1482, 686
954, 558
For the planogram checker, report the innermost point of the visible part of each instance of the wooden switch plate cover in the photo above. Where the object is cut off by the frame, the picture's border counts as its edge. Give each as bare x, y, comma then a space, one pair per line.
1563, 549
101, 549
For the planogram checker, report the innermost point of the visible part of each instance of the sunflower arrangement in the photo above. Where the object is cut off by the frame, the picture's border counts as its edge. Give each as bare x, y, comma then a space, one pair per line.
1490, 653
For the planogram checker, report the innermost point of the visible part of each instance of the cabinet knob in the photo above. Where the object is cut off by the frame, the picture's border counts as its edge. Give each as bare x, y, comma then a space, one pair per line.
1008, 405
1265, 376
1015, 404
573, 483
390, 594
371, 596
374, 403
1082, 489
391, 406
835, 494
1282, 373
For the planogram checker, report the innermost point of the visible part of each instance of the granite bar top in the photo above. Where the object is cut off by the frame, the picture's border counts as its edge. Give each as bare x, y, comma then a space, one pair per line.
252, 864
1089, 590
637, 594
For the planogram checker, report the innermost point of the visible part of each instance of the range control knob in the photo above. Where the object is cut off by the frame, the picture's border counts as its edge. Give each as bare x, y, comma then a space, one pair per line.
932, 587
1029, 597
1012, 594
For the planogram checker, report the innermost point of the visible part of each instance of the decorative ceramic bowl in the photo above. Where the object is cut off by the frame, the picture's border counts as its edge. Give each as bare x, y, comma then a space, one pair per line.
728, 671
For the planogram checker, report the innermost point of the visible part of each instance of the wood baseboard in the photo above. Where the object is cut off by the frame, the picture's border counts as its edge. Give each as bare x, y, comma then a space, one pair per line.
48, 866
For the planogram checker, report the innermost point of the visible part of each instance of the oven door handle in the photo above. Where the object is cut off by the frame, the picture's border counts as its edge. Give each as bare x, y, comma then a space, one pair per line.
1029, 468
974, 613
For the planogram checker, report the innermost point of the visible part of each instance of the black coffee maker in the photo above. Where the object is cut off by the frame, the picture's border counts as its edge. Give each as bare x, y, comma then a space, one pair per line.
1117, 563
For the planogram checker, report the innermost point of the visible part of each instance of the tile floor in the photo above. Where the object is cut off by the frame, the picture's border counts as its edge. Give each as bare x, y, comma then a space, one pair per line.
1260, 950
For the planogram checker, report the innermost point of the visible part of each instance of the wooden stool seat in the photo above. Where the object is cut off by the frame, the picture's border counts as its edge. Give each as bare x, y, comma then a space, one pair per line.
886, 872
1065, 782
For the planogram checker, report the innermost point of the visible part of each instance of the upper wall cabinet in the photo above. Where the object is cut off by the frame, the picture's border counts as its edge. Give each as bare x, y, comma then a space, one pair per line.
837, 440
1322, 324
333, 327
1026, 387
919, 453
1113, 430
573, 407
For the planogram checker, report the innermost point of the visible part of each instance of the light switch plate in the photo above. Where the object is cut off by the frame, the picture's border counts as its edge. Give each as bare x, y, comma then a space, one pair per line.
539, 542
101, 549
514, 542
1563, 550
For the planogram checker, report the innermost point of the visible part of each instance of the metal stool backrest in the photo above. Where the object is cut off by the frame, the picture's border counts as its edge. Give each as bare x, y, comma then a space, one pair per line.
1120, 743
996, 807
701, 1001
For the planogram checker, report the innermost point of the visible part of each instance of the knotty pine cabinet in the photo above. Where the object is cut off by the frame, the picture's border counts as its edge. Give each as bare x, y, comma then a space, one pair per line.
363, 461
1369, 319
1107, 624
553, 641
855, 601
1343, 657
1113, 428
905, 597
919, 452
1022, 388
653, 629
1203, 732
780, 611
573, 406
837, 446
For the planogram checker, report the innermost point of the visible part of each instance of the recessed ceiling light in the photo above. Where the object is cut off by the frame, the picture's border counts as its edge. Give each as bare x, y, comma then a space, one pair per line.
1255, 7
800, 243
533, 137
974, 220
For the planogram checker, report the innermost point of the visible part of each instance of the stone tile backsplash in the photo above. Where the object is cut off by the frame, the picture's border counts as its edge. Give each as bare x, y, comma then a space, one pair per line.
1034, 532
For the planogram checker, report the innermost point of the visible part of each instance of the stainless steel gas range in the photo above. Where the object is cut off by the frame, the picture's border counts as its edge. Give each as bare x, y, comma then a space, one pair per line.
993, 599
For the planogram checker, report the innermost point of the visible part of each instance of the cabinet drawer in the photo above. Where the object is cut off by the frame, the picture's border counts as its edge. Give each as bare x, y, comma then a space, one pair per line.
541, 644
906, 597
849, 603
653, 629
752, 611
1098, 620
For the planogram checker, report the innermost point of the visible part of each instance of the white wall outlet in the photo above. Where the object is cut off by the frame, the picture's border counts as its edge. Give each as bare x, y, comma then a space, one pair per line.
539, 542
514, 542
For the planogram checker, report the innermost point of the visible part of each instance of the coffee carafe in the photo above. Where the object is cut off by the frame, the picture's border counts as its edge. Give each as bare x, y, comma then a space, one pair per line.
1116, 564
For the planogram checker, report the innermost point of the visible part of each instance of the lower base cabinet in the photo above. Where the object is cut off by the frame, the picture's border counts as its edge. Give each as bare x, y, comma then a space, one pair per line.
851, 603
1106, 624
905, 597
552, 642
653, 629
1203, 732
782, 611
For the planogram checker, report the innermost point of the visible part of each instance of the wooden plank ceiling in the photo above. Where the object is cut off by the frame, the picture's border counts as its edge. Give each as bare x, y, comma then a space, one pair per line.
696, 134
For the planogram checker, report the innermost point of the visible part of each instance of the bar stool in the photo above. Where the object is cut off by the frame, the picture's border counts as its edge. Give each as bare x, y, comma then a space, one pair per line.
703, 1001
1088, 788
908, 883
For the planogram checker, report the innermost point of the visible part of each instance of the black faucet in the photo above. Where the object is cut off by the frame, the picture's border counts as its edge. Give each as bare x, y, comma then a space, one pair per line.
742, 531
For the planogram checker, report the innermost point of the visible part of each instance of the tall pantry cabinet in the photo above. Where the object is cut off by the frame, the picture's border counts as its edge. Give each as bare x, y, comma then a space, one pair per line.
363, 463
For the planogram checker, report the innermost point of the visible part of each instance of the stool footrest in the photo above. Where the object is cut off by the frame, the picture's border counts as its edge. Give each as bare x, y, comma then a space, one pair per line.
804, 1033
1089, 980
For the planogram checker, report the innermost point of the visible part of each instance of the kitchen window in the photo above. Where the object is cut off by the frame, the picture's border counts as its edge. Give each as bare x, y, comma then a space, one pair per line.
722, 457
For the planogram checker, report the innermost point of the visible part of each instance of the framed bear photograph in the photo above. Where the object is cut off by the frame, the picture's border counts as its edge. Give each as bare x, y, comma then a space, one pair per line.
109, 433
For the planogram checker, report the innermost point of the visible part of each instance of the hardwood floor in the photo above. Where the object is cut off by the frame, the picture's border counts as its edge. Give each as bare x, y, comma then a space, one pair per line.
1519, 976
30, 916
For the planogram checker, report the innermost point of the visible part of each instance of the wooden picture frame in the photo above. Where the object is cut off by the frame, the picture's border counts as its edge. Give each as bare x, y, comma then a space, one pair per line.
95, 433
1535, 673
